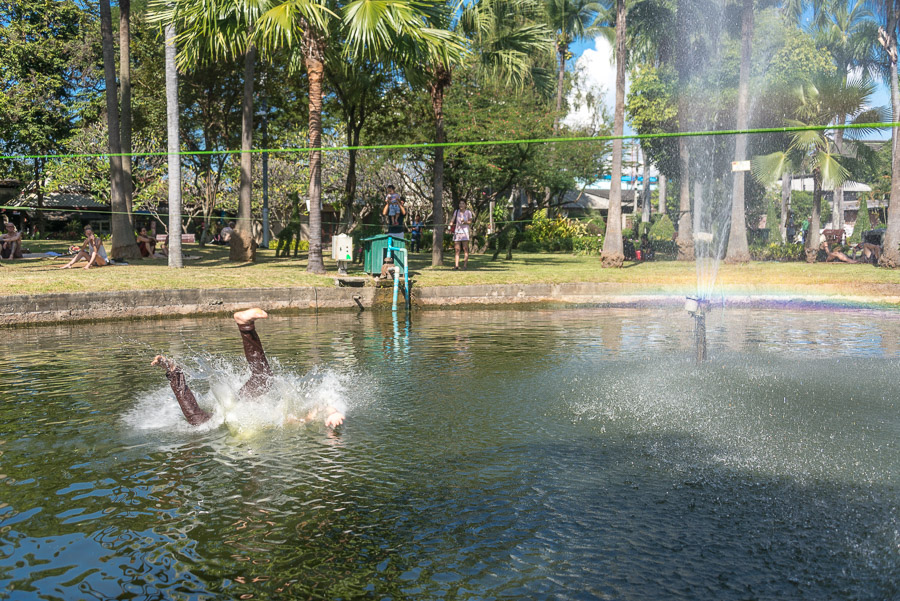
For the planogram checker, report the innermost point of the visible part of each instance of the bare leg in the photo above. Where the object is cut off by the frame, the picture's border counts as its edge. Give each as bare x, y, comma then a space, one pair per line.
260, 372
186, 400
81, 255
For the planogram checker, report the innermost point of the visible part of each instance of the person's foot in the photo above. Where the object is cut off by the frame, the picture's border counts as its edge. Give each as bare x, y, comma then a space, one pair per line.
163, 362
248, 316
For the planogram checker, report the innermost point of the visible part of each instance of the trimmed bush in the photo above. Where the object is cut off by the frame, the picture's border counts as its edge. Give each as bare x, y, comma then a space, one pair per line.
773, 221
663, 229
862, 222
777, 252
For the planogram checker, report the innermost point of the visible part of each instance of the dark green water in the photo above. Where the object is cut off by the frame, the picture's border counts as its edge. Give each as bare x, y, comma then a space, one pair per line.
564, 454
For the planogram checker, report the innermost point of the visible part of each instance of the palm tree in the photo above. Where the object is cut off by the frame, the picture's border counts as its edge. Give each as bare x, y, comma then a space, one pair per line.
125, 102
571, 20
815, 151
214, 30
738, 250
506, 38
849, 32
124, 244
392, 28
174, 240
889, 15
613, 251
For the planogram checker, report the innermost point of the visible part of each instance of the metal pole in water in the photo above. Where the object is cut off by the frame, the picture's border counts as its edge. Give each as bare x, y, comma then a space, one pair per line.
697, 309
700, 336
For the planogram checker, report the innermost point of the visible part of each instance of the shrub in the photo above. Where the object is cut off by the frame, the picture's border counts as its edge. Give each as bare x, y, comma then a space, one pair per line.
862, 222
587, 245
777, 252
552, 234
663, 229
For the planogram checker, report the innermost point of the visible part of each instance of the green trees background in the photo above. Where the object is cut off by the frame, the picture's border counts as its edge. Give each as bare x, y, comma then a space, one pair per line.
320, 74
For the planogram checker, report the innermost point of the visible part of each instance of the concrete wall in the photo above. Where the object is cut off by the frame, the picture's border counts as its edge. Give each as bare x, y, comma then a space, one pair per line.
89, 306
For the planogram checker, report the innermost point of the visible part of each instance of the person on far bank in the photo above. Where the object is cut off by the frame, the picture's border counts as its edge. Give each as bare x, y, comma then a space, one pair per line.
393, 206
11, 242
415, 233
146, 243
91, 251
461, 225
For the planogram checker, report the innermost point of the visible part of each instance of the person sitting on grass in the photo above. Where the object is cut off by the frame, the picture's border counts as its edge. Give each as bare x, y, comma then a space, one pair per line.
871, 252
258, 384
11, 242
91, 251
834, 255
146, 243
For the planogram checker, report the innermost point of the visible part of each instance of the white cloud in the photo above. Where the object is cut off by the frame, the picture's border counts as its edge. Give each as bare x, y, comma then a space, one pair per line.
595, 75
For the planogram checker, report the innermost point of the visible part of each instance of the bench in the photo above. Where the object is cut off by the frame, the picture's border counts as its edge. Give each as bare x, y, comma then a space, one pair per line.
185, 238
833, 236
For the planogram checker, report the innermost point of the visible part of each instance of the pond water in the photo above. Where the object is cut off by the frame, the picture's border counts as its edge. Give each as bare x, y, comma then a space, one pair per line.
539, 454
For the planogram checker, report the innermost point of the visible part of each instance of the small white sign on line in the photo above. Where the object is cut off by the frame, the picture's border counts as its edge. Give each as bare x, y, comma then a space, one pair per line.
740, 165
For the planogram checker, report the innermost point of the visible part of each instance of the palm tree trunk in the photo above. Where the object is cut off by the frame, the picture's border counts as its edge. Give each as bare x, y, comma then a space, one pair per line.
125, 85
738, 250
613, 254
785, 204
124, 244
685, 239
243, 246
174, 240
698, 205
442, 78
661, 186
890, 255
837, 206
815, 220
315, 68
41, 220
561, 51
350, 185
645, 193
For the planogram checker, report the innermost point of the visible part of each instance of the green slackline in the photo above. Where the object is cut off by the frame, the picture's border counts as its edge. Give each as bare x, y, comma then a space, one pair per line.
686, 134
184, 217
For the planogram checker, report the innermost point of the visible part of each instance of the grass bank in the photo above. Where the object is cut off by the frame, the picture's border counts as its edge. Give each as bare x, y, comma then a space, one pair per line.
211, 269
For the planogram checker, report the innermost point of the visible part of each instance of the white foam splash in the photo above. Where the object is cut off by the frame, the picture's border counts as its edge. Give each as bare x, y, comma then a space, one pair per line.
292, 398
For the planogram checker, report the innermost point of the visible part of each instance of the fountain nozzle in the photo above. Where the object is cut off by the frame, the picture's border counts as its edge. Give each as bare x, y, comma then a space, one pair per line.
695, 306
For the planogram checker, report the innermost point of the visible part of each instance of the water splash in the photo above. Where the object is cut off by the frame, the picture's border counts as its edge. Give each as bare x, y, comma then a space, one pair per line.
292, 398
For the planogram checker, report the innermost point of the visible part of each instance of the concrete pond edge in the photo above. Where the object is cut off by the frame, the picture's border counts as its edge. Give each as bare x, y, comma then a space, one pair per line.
135, 304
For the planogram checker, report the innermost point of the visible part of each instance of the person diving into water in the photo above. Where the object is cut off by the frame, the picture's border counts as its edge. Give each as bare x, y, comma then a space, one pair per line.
260, 376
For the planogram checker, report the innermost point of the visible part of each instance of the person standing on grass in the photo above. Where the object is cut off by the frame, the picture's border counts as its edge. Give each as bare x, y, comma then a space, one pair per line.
460, 225
415, 232
393, 206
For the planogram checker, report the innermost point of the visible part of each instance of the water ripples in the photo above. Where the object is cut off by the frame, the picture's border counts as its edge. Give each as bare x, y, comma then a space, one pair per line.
526, 454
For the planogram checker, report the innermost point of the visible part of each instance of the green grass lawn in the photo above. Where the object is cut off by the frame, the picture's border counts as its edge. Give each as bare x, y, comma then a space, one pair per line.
213, 270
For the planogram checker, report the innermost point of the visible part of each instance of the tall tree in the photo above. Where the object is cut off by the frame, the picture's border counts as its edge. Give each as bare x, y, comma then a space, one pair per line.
849, 32
814, 151
40, 81
571, 20
370, 28
174, 147
613, 250
125, 102
738, 250
211, 31
889, 16
124, 244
